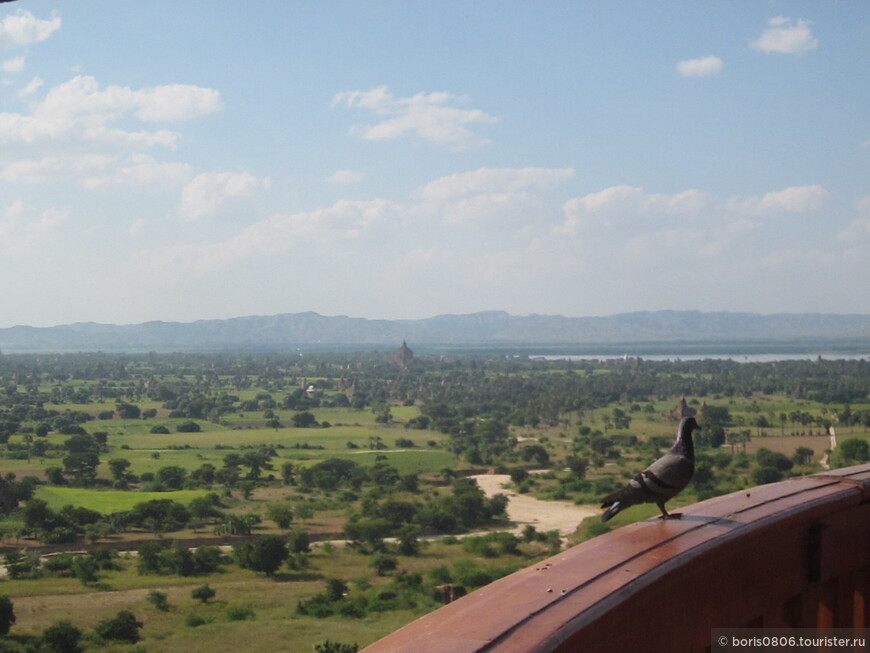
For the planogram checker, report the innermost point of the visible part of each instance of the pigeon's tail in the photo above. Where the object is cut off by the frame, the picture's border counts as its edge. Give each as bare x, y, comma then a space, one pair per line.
611, 511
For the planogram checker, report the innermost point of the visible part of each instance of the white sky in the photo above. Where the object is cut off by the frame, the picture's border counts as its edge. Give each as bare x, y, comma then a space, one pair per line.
393, 159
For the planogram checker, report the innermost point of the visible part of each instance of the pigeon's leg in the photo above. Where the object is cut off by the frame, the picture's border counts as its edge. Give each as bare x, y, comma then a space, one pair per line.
668, 515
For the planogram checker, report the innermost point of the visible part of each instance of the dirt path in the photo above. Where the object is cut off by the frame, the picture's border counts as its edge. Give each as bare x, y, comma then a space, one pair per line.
561, 516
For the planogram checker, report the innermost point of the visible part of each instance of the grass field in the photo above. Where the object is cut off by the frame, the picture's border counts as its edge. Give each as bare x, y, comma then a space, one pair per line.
107, 501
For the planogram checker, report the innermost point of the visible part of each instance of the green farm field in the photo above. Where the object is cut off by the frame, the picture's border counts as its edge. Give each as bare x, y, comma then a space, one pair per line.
107, 501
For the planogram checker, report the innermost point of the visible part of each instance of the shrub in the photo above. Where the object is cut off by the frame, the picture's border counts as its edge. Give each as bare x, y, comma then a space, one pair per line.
124, 627
62, 637
193, 621
382, 563
7, 615
203, 593
158, 600
239, 613
329, 646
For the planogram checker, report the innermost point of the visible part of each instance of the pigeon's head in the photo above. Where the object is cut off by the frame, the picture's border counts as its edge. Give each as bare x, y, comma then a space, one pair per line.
689, 424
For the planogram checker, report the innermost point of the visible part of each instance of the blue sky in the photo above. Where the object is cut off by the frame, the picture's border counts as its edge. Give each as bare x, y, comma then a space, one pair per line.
209, 159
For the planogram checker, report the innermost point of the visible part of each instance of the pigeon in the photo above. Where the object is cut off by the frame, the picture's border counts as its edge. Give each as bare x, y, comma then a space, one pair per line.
662, 480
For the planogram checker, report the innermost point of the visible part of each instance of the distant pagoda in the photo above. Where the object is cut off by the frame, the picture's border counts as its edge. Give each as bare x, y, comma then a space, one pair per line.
403, 356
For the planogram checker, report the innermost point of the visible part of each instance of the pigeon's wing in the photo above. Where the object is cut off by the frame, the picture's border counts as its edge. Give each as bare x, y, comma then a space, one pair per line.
657, 483
667, 476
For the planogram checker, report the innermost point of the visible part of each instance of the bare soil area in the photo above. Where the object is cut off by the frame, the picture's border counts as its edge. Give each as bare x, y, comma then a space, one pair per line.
523, 510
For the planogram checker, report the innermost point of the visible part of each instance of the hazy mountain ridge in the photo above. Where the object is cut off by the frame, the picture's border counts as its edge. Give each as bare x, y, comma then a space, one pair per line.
485, 329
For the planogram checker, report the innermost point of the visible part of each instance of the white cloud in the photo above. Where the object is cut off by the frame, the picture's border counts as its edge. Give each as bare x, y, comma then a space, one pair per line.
859, 228
9, 217
702, 67
98, 171
786, 36
489, 194
489, 180
136, 228
344, 220
207, 191
426, 115
24, 220
626, 204
23, 28
31, 171
32, 87
80, 109
51, 218
176, 102
15, 65
144, 172
346, 177
795, 199
82, 96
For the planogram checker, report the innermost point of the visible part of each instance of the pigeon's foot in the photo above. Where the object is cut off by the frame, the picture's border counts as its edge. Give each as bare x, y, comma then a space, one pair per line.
671, 515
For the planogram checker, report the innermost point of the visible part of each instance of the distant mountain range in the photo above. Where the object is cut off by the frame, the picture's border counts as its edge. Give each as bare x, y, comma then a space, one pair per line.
487, 330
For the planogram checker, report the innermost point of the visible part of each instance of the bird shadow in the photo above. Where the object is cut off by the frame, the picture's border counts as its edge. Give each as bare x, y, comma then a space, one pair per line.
701, 519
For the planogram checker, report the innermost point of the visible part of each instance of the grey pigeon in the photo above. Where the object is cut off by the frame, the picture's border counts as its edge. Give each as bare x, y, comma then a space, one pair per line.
662, 480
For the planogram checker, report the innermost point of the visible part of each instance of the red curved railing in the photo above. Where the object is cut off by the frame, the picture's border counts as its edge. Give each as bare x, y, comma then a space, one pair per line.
791, 554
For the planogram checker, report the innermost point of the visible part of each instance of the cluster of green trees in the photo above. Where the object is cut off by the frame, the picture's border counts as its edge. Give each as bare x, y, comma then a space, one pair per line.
464, 508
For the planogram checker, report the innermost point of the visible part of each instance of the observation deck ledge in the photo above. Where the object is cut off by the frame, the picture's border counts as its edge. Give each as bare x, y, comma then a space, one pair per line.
794, 554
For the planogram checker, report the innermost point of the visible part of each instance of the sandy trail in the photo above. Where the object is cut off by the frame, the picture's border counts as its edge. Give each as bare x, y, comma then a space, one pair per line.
523, 510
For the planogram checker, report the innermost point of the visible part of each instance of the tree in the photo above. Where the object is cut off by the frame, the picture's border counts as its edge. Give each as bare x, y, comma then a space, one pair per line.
281, 514
803, 456
203, 593
768, 458
204, 474
577, 465
172, 476
257, 460
265, 554
287, 473
62, 637
124, 627
148, 559
207, 559
7, 614
128, 411
188, 426
764, 475
119, 467
304, 420
54, 475
178, 560
335, 589
854, 450
535, 452
85, 569
82, 459
299, 542
382, 563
